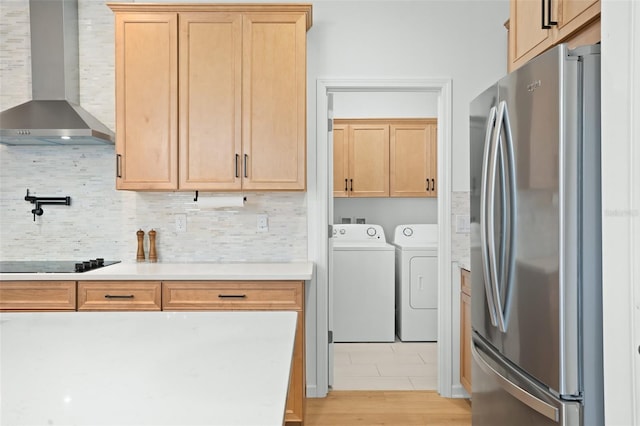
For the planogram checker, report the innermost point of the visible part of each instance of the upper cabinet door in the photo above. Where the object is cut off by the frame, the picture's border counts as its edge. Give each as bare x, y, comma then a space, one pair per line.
274, 101
147, 100
573, 14
412, 162
369, 160
210, 100
340, 161
527, 37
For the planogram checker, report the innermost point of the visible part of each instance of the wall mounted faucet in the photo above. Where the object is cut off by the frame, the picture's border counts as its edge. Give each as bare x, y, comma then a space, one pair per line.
40, 201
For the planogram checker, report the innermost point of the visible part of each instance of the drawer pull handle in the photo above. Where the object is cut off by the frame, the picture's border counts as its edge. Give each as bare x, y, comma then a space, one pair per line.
232, 296
118, 296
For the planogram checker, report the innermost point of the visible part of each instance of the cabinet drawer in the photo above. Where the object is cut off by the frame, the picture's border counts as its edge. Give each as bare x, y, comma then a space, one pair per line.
119, 295
236, 295
465, 281
38, 295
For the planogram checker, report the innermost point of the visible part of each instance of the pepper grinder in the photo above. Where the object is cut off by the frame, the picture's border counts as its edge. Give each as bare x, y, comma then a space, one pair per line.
140, 255
153, 256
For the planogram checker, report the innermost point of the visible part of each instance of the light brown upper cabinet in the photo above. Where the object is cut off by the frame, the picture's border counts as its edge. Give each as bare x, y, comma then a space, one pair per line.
535, 26
385, 157
367, 158
413, 158
211, 96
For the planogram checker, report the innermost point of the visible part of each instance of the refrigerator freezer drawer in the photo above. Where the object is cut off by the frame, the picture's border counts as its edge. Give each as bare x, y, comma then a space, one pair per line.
503, 396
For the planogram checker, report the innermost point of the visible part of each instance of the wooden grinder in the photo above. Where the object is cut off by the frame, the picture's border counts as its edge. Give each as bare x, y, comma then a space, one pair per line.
140, 255
153, 256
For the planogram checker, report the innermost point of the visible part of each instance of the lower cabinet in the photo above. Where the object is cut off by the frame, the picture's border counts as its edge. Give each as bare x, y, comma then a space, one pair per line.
249, 295
37, 295
465, 329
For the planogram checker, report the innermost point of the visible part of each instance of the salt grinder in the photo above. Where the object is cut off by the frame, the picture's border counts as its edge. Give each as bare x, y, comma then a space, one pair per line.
140, 255
153, 256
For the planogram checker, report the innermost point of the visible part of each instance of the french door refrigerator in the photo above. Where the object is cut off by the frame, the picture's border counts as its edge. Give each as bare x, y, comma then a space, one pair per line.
536, 244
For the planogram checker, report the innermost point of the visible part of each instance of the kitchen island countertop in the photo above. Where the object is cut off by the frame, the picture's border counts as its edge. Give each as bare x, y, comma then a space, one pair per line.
146, 368
288, 271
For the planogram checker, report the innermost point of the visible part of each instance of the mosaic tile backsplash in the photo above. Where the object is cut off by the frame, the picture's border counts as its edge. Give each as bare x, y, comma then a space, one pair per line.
102, 222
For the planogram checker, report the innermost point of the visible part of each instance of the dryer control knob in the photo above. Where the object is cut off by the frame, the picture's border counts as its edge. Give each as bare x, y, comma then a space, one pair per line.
343, 231
407, 232
371, 232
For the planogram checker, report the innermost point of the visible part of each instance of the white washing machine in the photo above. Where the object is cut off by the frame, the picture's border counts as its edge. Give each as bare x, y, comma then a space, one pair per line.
363, 294
416, 282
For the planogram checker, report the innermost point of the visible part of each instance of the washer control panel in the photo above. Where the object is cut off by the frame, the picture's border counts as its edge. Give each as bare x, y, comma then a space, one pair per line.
359, 232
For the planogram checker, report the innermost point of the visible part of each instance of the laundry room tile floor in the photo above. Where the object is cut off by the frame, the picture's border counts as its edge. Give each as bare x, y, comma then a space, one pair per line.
385, 366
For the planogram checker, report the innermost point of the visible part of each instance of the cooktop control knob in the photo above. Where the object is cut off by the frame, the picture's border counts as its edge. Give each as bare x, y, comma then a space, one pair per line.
407, 232
371, 232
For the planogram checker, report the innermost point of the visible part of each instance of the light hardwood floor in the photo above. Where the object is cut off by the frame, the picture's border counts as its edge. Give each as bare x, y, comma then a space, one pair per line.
392, 408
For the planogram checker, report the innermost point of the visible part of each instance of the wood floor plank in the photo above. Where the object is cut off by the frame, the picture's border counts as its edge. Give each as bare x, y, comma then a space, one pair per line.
389, 408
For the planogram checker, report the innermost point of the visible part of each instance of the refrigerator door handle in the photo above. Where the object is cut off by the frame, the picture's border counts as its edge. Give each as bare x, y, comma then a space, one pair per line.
489, 223
512, 230
505, 278
513, 389
486, 254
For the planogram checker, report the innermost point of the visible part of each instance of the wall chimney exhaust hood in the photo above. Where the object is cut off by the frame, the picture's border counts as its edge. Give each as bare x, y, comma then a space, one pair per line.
54, 116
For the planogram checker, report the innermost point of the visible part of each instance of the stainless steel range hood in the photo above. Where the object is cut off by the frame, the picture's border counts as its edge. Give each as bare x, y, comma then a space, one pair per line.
54, 116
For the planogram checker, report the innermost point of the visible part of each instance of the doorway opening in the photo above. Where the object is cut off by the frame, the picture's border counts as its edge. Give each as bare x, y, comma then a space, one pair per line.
337, 98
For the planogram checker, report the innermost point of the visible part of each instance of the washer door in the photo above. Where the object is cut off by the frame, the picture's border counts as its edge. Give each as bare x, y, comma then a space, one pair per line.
424, 282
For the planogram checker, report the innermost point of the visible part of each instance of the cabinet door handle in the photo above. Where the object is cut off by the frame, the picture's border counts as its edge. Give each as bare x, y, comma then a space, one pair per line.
245, 165
232, 296
351, 181
543, 23
551, 21
428, 185
237, 158
346, 188
433, 184
546, 12
119, 296
118, 165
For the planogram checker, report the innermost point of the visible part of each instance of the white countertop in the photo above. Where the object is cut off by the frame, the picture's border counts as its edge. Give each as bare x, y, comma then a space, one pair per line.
465, 264
180, 271
145, 368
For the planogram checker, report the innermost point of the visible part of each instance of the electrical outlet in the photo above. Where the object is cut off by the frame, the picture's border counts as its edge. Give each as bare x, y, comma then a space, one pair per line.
361, 220
263, 223
463, 225
181, 222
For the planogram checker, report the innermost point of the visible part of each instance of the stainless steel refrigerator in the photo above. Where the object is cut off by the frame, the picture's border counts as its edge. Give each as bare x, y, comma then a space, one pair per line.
536, 244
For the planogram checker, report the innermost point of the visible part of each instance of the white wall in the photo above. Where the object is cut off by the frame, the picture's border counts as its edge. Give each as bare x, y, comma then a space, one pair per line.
621, 209
385, 105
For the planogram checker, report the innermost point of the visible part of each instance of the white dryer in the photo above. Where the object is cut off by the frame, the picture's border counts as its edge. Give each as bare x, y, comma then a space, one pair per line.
362, 285
416, 282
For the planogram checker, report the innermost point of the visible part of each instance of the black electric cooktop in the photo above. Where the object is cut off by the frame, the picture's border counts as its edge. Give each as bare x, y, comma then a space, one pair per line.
53, 266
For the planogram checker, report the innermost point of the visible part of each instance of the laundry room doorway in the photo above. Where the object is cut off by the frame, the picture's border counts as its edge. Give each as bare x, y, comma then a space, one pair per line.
388, 363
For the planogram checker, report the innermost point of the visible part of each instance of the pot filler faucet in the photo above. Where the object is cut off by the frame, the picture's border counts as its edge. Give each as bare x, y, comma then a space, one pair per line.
40, 201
